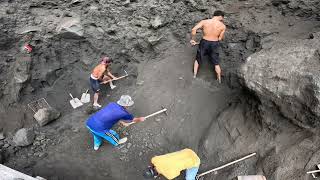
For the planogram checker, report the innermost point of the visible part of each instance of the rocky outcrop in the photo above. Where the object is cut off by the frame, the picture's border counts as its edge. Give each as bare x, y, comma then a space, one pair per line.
21, 75
302, 8
286, 78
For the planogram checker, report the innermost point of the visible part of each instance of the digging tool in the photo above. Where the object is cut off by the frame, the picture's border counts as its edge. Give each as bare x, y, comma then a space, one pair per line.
164, 110
226, 165
313, 173
85, 97
252, 177
121, 77
75, 102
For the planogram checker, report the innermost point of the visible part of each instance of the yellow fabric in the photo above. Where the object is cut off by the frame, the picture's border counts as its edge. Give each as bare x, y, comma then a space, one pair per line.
170, 165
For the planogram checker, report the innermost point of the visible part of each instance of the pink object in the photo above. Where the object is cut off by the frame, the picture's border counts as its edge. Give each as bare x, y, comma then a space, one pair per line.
28, 48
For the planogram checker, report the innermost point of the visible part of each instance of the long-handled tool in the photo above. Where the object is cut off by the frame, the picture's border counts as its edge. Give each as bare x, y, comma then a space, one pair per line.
226, 165
85, 97
75, 102
252, 177
313, 173
121, 77
164, 110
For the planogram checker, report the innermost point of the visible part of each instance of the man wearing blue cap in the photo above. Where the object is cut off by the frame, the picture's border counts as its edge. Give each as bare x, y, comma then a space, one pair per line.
100, 123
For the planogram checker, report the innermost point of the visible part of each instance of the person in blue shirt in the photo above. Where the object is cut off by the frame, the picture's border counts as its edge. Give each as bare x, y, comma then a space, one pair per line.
100, 123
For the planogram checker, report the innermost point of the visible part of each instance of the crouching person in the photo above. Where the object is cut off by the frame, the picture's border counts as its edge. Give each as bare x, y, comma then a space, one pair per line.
100, 123
170, 165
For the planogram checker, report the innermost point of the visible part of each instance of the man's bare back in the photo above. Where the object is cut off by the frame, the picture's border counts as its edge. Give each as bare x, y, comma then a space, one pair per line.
212, 29
213, 32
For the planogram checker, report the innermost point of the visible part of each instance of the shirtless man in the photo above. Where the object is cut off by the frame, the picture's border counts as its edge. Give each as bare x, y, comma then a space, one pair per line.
213, 32
98, 77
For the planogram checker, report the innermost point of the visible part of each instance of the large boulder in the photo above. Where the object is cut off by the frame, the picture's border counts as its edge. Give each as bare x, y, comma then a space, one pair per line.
70, 27
23, 137
46, 115
286, 77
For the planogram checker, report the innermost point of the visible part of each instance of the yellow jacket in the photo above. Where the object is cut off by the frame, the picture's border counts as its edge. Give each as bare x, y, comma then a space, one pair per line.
170, 165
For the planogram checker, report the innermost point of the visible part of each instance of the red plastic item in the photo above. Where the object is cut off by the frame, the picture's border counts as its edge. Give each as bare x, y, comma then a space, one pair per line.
28, 48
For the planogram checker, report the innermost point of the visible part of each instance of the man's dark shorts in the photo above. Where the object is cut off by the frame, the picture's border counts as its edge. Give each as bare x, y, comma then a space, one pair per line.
95, 85
209, 48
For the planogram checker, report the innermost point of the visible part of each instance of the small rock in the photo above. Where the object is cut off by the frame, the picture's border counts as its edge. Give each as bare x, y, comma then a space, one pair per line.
23, 137
122, 158
36, 143
6, 145
42, 154
41, 137
157, 22
124, 150
129, 145
140, 83
140, 153
46, 115
180, 78
74, 129
153, 40
11, 10
158, 119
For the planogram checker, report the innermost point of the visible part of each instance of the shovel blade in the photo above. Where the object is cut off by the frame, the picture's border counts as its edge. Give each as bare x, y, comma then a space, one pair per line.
75, 103
85, 98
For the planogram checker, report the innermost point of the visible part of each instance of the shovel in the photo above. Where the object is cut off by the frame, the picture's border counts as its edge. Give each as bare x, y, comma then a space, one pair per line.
75, 102
85, 97
121, 77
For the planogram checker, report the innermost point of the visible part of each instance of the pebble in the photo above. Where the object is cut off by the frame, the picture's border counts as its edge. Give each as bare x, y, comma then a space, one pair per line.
36, 143
158, 119
181, 78
124, 150
41, 137
122, 158
74, 129
140, 153
129, 145
42, 155
6, 145
140, 83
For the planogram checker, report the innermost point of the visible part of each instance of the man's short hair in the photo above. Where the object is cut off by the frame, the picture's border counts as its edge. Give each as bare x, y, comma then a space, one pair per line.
218, 13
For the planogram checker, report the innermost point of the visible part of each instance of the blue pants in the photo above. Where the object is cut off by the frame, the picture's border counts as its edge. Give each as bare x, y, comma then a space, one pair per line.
191, 173
111, 136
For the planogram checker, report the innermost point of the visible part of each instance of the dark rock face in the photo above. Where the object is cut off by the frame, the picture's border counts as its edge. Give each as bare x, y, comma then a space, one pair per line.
287, 77
46, 115
302, 8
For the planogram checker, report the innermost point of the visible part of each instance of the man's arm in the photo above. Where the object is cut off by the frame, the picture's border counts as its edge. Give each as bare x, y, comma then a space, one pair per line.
194, 32
221, 36
135, 120
110, 74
